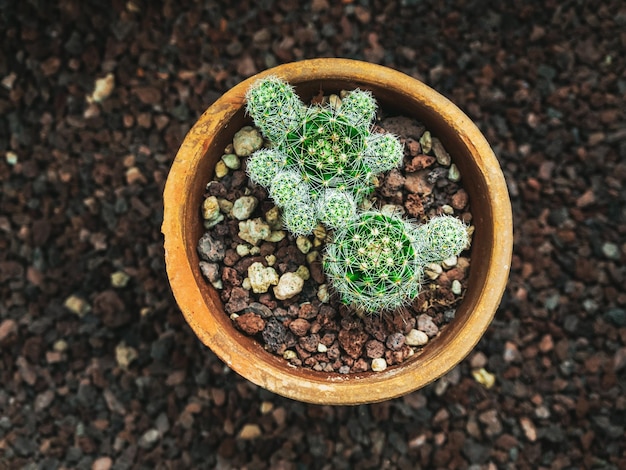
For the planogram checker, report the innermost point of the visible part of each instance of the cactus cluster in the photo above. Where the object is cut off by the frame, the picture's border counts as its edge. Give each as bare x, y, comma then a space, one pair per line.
332, 149
322, 162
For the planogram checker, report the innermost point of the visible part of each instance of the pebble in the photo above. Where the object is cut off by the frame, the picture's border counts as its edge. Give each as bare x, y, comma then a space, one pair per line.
246, 141
426, 324
102, 463
456, 287
210, 249
254, 230
249, 431
125, 355
276, 236
211, 271
242, 250
303, 272
244, 207
433, 270
322, 348
322, 294
483, 377
231, 161
7, 328
102, 89
303, 244
442, 156
426, 142
261, 278
11, 158
449, 263
416, 338
447, 209
379, 364
77, 305
529, 428
273, 218
211, 211
226, 207
221, 169
119, 279
289, 285
454, 174
271, 260
250, 323
289, 354
611, 251
149, 438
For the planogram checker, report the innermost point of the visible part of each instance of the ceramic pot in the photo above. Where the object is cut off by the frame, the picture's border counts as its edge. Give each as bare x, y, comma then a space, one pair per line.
491, 247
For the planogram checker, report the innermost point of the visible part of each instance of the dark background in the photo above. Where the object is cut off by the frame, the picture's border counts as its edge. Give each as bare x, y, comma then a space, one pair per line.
81, 199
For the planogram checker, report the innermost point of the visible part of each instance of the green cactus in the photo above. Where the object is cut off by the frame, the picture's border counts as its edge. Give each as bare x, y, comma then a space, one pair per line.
376, 263
331, 148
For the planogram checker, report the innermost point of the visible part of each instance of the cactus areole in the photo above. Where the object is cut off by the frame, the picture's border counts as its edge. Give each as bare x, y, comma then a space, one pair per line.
492, 241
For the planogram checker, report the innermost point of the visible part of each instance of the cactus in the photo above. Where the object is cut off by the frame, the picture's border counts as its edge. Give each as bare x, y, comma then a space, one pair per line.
332, 148
376, 263
322, 164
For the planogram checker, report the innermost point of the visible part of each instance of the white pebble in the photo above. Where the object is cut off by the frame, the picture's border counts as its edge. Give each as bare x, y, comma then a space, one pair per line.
433, 270
449, 262
379, 364
289, 284
261, 278
243, 250
321, 348
322, 294
244, 207
456, 287
416, 338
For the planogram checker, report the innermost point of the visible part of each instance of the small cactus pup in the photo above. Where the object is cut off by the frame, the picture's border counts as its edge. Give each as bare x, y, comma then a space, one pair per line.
332, 148
376, 263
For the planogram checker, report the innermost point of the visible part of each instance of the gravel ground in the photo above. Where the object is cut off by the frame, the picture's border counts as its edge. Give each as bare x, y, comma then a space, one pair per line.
98, 368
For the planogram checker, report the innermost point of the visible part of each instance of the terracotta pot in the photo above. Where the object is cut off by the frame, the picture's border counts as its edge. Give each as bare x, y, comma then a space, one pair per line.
491, 248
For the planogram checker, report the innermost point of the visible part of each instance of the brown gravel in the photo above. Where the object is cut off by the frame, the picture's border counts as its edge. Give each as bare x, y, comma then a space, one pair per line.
543, 80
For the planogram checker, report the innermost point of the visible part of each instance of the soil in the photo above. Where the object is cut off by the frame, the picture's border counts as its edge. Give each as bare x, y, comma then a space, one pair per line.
319, 332
98, 368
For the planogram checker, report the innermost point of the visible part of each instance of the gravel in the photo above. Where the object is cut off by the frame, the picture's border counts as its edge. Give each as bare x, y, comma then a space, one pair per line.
80, 191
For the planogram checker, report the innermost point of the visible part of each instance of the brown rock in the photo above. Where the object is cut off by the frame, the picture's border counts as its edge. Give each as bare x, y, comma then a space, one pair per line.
111, 309
7, 328
414, 206
148, 94
250, 323
239, 299
352, 342
299, 326
374, 349
417, 183
459, 199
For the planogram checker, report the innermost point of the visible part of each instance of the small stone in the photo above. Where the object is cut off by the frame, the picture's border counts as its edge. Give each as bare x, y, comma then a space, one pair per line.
102, 89
319, 232
271, 260
7, 328
119, 279
619, 360
442, 156
247, 140
395, 341
334, 101
459, 199
266, 407
611, 250
231, 161
529, 428
449, 263
303, 272
433, 270
303, 244
273, 219
426, 142
226, 206
426, 324
60, 345
289, 285
43, 400
77, 305
249, 431
299, 326
244, 207
125, 355
211, 249
11, 158
221, 169
102, 463
239, 300
250, 323
246, 283
456, 287
211, 209
254, 230
379, 364
149, 438
454, 174
416, 338
447, 209
242, 250
483, 377
322, 294
276, 236
261, 278
289, 354
134, 175
511, 353
211, 271
322, 348
617, 316
311, 257
374, 349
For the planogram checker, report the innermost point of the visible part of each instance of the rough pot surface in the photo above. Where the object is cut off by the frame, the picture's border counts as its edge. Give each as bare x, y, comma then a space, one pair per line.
491, 246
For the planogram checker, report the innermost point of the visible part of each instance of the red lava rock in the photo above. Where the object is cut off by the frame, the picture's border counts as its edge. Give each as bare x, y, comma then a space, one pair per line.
460, 199
414, 206
299, 327
111, 309
239, 299
417, 183
309, 343
395, 341
374, 349
394, 180
250, 323
352, 342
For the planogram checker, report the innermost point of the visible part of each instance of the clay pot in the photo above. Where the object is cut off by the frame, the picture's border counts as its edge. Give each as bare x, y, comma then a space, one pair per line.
491, 247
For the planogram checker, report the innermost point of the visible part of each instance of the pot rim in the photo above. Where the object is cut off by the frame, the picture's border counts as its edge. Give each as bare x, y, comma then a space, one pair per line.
201, 305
